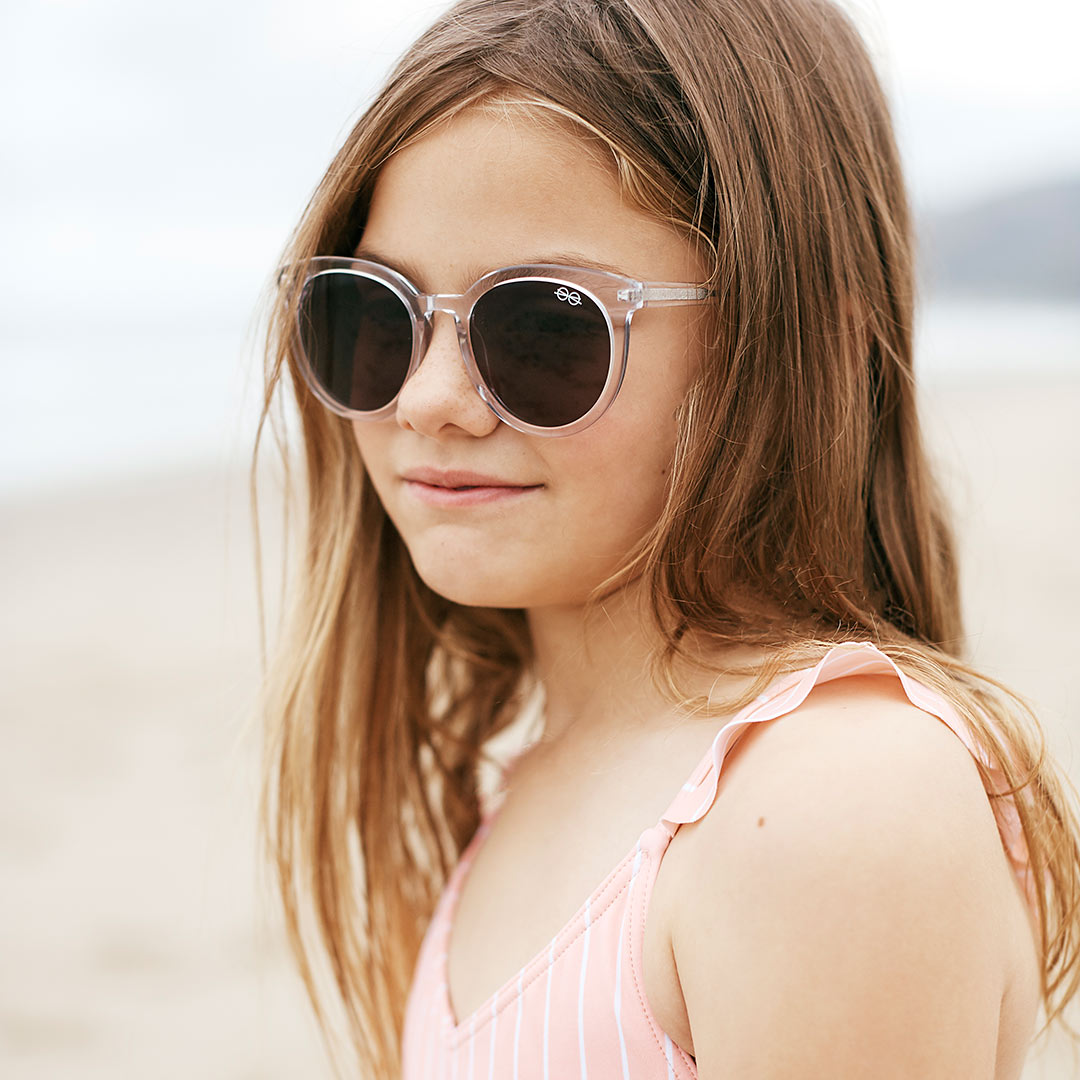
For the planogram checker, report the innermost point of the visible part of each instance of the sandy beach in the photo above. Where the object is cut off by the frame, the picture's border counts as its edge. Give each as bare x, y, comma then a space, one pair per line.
137, 937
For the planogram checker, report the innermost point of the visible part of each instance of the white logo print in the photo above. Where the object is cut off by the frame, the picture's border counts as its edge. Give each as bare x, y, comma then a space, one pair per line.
572, 298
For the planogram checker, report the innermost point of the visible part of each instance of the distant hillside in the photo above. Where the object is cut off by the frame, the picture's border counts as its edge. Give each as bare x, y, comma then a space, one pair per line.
1024, 245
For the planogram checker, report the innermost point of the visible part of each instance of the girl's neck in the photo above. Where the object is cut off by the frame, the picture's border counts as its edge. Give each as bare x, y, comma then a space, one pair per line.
597, 672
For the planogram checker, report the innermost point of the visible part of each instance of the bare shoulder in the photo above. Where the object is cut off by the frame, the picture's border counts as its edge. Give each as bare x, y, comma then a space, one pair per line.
852, 911
858, 743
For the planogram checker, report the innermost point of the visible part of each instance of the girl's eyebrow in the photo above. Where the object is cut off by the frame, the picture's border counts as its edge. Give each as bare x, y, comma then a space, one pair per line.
576, 258
402, 266
474, 273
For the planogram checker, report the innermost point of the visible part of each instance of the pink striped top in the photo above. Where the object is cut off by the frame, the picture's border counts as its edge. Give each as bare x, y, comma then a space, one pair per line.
578, 1008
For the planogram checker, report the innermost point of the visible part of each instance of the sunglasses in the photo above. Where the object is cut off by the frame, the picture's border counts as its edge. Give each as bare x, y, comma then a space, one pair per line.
544, 346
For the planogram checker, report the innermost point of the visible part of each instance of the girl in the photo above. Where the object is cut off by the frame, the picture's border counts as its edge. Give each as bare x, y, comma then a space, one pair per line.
599, 326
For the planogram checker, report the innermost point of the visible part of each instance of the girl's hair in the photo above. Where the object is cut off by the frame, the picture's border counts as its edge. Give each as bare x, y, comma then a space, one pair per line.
801, 509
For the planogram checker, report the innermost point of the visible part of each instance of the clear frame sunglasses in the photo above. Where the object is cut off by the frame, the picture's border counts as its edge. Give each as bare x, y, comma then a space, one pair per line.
545, 346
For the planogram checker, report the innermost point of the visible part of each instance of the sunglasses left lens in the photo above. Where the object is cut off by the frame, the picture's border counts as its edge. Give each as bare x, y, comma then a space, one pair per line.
543, 348
357, 336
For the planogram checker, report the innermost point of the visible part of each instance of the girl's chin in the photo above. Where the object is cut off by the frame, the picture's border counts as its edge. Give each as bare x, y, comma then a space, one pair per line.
543, 576
461, 586
469, 594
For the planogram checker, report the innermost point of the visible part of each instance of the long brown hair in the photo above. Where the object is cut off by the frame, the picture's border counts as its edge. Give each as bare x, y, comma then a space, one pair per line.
801, 509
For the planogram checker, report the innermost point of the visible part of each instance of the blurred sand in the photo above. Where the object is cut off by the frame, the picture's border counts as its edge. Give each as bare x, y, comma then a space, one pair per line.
132, 937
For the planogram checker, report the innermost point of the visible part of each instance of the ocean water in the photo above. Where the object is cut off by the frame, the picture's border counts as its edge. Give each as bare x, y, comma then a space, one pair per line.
78, 407
997, 340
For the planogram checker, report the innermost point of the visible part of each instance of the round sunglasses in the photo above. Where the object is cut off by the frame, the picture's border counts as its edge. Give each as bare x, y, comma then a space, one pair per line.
545, 346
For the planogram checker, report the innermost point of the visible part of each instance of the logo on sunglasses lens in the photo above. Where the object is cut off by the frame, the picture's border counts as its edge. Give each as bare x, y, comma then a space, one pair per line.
572, 298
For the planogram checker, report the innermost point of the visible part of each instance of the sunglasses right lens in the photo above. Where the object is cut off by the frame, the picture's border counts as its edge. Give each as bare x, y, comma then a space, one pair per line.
357, 336
543, 348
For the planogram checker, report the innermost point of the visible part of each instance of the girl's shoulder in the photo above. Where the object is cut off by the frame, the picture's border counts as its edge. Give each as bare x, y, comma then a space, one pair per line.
854, 738
830, 755
853, 714
857, 870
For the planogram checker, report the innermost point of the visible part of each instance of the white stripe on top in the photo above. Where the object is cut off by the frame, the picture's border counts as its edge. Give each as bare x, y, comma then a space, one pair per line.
517, 1028
581, 995
618, 965
432, 1029
547, 1004
472, 1045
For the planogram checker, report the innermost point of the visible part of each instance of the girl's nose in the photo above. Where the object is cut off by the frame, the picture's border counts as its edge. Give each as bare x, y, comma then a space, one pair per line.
439, 397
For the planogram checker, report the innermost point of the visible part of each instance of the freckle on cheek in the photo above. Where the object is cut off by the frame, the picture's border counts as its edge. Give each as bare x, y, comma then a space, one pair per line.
760, 822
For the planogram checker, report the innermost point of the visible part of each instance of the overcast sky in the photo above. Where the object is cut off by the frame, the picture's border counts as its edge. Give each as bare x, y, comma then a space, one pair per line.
183, 139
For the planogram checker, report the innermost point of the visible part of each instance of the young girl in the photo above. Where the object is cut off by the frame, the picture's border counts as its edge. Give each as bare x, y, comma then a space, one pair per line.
599, 326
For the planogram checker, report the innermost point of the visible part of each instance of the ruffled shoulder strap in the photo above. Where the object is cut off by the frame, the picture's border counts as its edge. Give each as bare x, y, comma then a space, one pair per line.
789, 691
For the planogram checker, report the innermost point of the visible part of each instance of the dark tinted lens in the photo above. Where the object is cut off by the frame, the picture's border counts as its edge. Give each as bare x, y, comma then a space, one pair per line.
543, 349
357, 336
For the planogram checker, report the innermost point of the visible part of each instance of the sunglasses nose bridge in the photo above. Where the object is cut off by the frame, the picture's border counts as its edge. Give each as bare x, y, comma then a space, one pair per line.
450, 303
454, 305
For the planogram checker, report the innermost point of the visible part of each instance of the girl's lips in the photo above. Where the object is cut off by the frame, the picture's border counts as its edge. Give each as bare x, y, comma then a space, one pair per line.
458, 478
461, 488
466, 494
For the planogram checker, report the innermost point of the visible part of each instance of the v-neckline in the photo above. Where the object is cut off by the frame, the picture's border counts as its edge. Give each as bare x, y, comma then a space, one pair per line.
455, 1027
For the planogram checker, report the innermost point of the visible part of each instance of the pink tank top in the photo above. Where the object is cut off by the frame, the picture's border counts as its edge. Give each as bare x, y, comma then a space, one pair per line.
578, 1008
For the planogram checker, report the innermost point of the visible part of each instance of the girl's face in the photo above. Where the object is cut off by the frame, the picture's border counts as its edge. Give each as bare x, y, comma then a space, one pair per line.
487, 190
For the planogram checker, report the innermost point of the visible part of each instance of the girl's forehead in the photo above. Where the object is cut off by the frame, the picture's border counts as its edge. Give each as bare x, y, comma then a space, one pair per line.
493, 140
491, 187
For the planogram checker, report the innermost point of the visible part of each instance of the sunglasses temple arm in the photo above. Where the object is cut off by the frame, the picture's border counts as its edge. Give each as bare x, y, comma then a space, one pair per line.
657, 295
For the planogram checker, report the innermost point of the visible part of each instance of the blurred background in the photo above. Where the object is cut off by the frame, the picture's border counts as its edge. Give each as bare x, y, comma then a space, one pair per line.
154, 159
